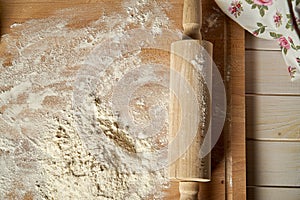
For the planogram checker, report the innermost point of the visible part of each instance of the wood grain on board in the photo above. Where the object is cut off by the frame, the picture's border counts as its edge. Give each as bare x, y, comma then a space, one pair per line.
273, 125
228, 178
255, 43
273, 117
235, 129
266, 73
274, 193
271, 163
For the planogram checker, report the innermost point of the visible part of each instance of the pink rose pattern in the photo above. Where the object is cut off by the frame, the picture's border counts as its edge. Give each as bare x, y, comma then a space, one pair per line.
263, 2
292, 71
273, 27
284, 44
236, 8
277, 19
261, 5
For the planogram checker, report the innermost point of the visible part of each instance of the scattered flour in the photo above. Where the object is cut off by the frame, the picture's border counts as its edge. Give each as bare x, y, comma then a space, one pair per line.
57, 144
211, 22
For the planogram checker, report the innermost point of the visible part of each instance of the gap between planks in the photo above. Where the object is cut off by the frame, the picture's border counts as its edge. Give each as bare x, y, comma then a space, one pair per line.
262, 79
272, 95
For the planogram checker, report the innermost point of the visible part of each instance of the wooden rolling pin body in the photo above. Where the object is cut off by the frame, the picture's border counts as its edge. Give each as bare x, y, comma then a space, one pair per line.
189, 168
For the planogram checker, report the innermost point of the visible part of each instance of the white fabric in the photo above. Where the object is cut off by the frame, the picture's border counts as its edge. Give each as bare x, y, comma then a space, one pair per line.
269, 19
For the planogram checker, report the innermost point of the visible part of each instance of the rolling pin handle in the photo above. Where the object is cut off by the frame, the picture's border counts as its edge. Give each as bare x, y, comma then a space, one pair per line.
188, 190
192, 21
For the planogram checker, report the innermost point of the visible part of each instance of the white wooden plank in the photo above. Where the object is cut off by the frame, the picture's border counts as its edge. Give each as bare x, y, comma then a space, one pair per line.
273, 163
273, 193
260, 44
266, 73
273, 117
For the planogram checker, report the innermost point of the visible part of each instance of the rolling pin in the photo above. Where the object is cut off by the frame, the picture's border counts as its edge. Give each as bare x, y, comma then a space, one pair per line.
190, 167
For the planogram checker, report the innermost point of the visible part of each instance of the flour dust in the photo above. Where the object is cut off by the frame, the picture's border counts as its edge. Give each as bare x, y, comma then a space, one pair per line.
61, 135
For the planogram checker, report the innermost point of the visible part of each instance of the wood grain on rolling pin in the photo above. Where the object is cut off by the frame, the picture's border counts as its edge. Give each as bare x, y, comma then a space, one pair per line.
189, 167
189, 110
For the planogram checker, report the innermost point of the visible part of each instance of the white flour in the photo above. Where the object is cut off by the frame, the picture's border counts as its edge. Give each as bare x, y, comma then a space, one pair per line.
56, 145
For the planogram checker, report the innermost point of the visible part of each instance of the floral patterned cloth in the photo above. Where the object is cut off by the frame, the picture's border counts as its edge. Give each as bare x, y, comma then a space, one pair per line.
270, 19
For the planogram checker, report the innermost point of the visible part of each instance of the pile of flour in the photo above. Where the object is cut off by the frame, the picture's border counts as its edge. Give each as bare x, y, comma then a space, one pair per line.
62, 136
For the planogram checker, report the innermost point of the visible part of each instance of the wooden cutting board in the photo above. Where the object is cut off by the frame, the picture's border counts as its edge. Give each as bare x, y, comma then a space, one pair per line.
228, 156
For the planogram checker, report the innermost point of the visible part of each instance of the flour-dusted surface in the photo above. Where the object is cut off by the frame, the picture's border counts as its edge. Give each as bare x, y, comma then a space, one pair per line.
61, 136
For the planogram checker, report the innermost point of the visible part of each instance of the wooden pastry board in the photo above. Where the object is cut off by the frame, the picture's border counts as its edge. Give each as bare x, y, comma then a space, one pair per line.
228, 164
